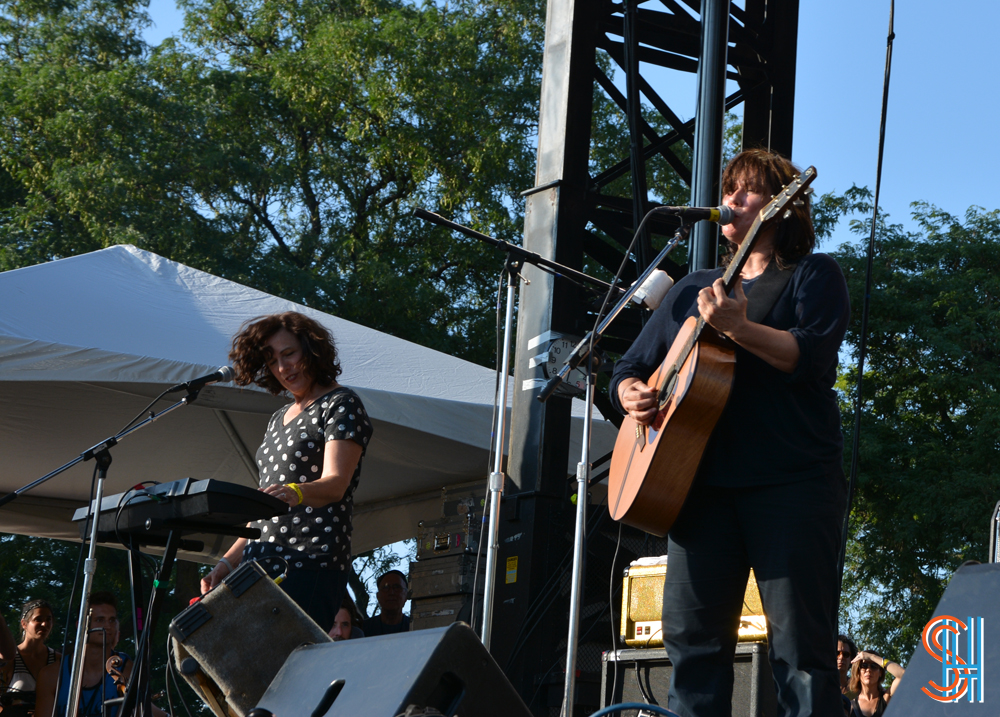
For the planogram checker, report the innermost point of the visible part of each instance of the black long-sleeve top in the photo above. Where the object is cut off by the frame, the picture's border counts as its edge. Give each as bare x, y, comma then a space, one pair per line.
776, 427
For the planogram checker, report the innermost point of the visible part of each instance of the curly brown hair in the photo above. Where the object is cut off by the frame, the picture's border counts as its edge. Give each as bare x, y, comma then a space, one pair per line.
249, 354
764, 172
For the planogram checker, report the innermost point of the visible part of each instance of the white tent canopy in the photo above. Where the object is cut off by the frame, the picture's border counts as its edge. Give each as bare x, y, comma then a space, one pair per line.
86, 342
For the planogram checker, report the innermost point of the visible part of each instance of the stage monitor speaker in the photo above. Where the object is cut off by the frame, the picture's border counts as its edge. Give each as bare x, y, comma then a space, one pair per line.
230, 644
445, 670
973, 638
643, 675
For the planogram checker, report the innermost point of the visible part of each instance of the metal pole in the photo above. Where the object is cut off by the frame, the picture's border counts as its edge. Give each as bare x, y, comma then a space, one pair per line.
496, 477
708, 128
89, 568
994, 534
637, 162
579, 549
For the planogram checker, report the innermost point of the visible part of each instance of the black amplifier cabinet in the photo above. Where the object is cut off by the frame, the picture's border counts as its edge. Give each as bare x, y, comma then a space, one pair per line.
643, 675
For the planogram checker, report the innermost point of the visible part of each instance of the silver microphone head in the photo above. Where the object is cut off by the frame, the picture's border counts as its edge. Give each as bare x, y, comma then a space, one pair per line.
725, 215
226, 374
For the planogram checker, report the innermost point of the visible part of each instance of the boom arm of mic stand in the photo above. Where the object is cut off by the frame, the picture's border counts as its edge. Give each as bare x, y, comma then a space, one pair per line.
94, 450
581, 350
523, 254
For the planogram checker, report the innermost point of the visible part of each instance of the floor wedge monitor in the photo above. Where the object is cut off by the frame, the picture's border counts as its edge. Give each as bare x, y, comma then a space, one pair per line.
445, 670
952, 673
230, 644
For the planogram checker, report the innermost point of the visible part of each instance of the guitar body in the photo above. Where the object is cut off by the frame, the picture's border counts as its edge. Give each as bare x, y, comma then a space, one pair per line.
652, 467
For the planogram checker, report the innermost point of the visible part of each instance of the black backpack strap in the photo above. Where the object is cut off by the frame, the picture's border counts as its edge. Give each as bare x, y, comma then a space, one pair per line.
767, 289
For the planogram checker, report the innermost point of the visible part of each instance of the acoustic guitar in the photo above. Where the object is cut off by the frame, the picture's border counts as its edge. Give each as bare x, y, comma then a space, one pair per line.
652, 466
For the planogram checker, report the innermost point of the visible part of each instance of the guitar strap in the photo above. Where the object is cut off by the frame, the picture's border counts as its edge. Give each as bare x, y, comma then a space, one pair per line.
767, 289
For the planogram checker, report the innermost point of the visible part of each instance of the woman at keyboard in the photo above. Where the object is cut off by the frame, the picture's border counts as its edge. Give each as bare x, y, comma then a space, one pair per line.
310, 458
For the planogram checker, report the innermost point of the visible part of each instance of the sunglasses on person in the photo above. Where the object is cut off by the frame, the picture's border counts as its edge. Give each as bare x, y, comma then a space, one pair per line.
866, 665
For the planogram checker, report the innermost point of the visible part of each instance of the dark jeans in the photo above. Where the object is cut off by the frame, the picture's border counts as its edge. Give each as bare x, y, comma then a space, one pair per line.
318, 592
790, 535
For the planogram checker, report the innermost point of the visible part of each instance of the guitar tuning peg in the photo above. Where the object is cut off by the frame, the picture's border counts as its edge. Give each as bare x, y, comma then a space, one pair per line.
787, 214
809, 192
799, 203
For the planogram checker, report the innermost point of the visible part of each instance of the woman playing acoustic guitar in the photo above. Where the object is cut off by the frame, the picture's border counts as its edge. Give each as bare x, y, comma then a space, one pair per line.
769, 492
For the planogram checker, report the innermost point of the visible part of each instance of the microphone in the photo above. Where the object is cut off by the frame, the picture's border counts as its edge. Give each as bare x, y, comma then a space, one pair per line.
720, 215
224, 374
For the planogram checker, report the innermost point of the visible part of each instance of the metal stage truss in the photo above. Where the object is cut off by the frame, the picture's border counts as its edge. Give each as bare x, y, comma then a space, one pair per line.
578, 215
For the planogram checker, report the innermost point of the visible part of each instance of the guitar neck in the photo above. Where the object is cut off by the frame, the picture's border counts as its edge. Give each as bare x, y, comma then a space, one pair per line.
732, 272
774, 208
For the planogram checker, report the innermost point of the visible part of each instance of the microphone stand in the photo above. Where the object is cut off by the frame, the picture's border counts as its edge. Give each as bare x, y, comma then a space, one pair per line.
582, 349
101, 454
516, 257
585, 351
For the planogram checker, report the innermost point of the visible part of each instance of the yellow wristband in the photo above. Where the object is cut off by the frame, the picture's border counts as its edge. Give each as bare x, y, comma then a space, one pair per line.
298, 491
885, 663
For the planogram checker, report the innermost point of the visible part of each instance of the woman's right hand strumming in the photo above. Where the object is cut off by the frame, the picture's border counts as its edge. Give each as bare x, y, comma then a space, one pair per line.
638, 399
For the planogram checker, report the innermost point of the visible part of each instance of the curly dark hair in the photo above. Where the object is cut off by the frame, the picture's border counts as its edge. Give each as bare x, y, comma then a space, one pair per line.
249, 354
765, 172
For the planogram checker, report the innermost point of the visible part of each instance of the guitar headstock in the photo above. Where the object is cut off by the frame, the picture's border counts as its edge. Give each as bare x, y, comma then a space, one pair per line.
788, 194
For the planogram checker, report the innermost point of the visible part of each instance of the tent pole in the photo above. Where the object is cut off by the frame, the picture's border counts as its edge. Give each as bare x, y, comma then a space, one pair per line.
241, 449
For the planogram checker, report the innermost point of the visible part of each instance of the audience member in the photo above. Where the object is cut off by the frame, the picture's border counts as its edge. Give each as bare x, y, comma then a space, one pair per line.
347, 624
391, 597
97, 684
7, 644
27, 659
846, 652
7, 649
868, 669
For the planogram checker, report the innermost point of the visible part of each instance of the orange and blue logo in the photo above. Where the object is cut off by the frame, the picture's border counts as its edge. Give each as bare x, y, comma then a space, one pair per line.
961, 670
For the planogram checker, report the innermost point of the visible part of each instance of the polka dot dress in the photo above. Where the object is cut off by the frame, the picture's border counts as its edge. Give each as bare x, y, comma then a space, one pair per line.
309, 538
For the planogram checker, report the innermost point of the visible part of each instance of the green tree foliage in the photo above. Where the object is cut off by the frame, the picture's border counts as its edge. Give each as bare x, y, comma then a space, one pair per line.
929, 455
40, 568
284, 145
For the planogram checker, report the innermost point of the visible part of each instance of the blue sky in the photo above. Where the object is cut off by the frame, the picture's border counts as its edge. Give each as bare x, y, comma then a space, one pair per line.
940, 133
940, 138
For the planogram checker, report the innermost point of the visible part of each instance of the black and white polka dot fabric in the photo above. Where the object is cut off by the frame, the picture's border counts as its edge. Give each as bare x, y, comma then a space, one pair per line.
309, 538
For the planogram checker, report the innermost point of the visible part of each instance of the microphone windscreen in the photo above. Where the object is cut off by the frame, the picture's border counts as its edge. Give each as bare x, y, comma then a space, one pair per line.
653, 289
